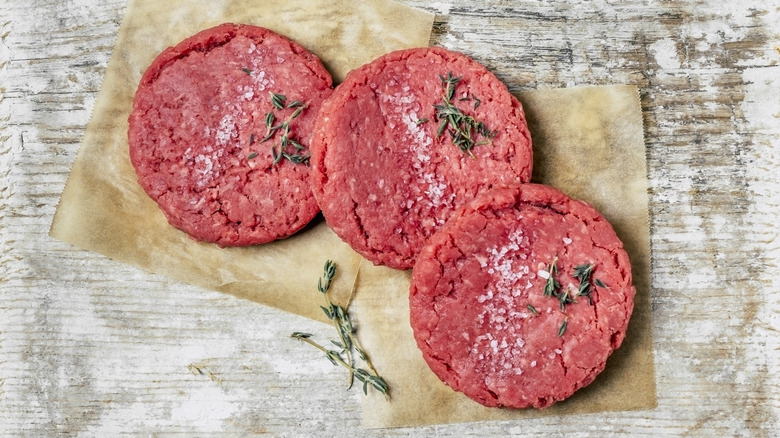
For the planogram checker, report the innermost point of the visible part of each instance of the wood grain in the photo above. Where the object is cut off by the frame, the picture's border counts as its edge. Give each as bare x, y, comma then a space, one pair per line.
91, 347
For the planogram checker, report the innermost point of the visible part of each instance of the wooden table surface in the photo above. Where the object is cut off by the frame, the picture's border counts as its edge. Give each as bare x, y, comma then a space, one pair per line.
92, 347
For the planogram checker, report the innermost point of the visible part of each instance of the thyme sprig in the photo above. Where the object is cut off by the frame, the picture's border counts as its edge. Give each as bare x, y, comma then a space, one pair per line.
464, 130
287, 148
347, 342
583, 274
553, 289
551, 286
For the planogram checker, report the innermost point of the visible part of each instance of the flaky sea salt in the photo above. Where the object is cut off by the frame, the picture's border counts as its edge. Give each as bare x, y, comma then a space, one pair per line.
402, 110
226, 130
501, 343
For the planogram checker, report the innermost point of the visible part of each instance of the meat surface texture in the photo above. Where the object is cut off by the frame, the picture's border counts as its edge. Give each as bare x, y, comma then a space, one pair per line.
199, 134
521, 297
407, 139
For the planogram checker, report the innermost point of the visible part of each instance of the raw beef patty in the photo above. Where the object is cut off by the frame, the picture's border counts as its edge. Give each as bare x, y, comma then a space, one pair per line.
207, 129
521, 297
408, 138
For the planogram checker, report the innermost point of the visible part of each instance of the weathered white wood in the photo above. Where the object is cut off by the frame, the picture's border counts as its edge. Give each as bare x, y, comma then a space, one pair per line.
91, 347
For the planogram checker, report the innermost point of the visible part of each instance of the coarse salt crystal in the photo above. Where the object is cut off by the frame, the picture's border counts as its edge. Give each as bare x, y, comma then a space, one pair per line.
566, 241
543, 274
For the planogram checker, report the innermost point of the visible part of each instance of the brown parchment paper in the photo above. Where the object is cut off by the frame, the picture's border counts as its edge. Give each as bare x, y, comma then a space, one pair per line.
103, 209
589, 143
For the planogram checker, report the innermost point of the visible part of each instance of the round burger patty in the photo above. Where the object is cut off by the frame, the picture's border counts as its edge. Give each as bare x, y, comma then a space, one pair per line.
219, 134
408, 138
521, 297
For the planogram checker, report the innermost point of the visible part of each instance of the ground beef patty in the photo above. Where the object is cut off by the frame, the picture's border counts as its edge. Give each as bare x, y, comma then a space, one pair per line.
198, 131
521, 297
389, 166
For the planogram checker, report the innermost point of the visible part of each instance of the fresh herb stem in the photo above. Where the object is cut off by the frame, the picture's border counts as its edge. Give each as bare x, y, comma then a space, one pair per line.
347, 339
333, 355
281, 150
584, 274
277, 100
463, 129
552, 287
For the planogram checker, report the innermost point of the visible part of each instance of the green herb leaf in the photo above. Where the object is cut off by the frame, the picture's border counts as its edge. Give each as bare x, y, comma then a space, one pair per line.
277, 100
463, 129
552, 286
584, 273
347, 341
296, 113
281, 151
562, 329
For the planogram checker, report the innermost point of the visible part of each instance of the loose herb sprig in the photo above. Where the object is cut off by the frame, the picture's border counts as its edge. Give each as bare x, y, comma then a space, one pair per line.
463, 129
583, 274
347, 339
552, 286
297, 154
553, 289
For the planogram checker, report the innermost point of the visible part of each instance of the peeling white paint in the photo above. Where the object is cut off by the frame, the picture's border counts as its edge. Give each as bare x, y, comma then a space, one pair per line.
208, 407
665, 53
761, 105
440, 7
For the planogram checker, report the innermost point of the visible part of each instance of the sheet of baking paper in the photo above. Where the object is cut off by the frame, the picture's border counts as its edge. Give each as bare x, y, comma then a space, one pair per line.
589, 143
103, 209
